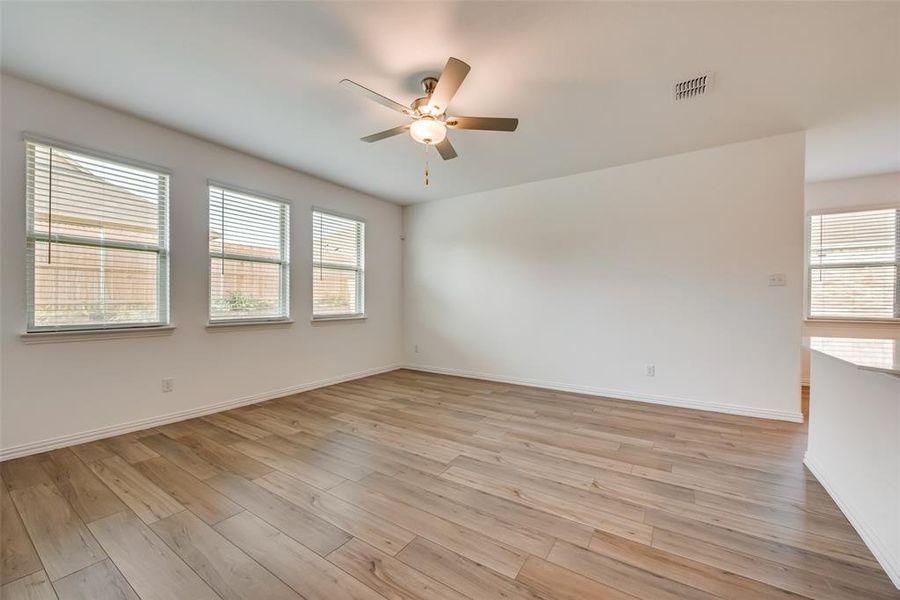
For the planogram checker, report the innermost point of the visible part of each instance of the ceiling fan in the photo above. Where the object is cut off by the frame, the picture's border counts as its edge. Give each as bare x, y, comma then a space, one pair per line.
429, 113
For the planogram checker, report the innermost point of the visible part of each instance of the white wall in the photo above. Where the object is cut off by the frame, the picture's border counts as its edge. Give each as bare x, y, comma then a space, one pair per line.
855, 193
854, 450
579, 282
59, 389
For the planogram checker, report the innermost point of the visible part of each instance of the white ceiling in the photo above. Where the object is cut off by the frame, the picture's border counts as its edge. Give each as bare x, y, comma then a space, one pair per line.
590, 82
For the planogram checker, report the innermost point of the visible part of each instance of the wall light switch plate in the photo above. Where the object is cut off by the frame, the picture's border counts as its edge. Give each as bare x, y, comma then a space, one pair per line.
777, 279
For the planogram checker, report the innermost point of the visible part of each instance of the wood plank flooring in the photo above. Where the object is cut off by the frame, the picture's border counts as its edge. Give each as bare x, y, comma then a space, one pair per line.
408, 486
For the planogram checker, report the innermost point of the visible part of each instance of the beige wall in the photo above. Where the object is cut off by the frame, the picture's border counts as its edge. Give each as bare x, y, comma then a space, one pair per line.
581, 282
854, 451
53, 390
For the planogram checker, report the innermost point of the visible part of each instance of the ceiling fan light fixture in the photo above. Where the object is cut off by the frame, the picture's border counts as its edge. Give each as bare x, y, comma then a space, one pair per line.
428, 130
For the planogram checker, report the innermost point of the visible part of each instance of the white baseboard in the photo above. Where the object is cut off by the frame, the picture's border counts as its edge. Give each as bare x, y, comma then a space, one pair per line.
112, 430
883, 554
745, 411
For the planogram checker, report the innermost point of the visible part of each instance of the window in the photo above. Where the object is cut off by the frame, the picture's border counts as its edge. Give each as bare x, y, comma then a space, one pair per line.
338, 266
853, 263
97, 241
249, 264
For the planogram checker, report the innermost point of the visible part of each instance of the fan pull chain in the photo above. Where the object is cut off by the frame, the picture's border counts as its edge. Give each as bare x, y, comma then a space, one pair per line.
426, 164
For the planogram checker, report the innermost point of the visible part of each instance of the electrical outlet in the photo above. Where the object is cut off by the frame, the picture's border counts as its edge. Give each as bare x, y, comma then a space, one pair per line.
416, 348
168, 385
650, 370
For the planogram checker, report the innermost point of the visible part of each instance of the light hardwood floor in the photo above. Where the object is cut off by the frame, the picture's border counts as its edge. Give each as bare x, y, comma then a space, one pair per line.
409, 485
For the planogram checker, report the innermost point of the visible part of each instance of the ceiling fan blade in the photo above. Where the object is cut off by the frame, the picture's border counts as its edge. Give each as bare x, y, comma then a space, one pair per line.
445, 149
483, 123
454, 72
383, 100
385, 134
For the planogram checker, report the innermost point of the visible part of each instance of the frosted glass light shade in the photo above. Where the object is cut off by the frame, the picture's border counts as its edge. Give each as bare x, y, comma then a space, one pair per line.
428, 131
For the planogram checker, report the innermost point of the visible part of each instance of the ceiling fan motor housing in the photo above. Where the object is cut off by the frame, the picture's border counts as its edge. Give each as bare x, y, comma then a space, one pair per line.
420, 104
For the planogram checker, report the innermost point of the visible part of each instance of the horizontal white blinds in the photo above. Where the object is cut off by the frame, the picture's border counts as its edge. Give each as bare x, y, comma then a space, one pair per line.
97, 241
338, 265
853, 264
248, 256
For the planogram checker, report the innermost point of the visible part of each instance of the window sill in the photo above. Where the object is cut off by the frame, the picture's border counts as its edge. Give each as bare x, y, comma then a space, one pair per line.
217, 326
853, 322
90, 335
339, 318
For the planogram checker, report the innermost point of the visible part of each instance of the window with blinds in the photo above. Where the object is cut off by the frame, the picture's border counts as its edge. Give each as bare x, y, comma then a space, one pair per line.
853, 265
249, 256
338, 266
97, 241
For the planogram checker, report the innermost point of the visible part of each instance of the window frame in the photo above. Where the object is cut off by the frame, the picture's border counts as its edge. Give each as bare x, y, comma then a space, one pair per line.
807, 247
161, 250
360, 269
284, 288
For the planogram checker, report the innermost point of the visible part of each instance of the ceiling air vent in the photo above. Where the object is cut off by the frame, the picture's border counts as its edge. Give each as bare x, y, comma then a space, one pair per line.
693, 87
